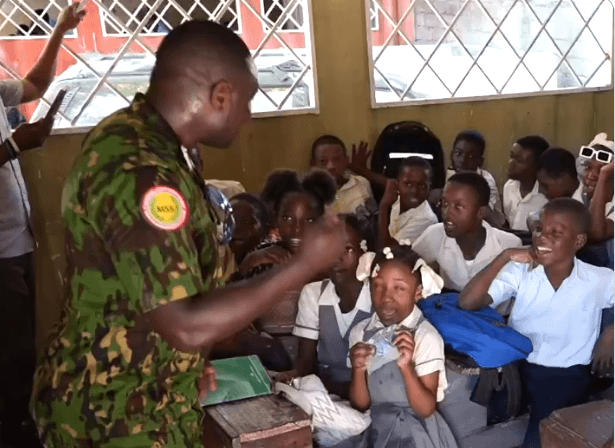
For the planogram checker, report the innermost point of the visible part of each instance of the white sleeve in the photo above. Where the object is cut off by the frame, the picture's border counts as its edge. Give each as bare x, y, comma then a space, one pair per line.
306, 324
508, 240
506, 201
494, 197
414, 229
507, 283
426, 245
429, 356
11, 92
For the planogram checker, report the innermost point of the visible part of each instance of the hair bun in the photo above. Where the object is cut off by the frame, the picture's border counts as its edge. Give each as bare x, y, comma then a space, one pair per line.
320, 184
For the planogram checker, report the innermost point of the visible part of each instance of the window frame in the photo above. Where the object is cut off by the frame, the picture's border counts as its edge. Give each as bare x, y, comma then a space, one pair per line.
466, 99
305, 54
266, 30
18, 4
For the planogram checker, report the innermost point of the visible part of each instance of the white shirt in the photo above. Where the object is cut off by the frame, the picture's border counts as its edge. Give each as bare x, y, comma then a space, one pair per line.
609, 210
15, 234
578, 194
352, 194
563, 325
517, 208
411, 223
307, 323
434, 246
494, 197
428, 354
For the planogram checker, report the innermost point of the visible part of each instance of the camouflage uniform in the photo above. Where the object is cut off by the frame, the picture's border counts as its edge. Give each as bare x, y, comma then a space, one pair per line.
107, 378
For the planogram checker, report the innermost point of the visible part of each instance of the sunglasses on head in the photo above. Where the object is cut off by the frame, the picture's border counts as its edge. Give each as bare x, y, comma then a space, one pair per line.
600, 154
223, 213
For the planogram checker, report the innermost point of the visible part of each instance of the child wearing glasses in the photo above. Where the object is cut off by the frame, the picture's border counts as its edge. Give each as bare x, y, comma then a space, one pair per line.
596, 159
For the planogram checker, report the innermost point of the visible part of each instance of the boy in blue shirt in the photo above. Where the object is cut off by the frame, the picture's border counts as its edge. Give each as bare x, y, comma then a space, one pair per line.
559, 302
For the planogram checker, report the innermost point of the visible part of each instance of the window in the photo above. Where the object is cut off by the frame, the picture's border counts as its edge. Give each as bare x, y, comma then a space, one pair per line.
30, 19
374, 16
428, 50
113, 52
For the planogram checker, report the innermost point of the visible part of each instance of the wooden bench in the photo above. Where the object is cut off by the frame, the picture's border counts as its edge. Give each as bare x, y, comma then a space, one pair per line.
270, 421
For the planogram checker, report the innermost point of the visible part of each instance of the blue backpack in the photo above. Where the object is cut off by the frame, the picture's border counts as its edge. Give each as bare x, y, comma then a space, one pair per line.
483, 335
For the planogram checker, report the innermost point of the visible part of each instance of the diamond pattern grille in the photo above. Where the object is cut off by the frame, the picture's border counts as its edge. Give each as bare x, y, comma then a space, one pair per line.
443, 49
281, 47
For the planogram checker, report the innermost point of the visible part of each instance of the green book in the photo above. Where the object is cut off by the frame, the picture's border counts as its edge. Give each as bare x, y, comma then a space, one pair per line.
238, 378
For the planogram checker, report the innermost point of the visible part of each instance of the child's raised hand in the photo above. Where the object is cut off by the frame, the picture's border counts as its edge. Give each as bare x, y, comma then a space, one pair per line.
404, 341
360, 154
360, 355
390, 193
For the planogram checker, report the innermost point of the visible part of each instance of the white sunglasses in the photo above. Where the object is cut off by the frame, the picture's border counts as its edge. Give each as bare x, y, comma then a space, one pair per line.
601, 155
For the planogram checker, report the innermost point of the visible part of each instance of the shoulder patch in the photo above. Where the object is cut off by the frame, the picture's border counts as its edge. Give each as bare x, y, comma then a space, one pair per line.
165, 208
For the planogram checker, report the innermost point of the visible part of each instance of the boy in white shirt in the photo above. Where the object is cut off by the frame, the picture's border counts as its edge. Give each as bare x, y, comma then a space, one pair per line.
521, 196
354, 192
463, 243
469, 155
559, 303
405, 212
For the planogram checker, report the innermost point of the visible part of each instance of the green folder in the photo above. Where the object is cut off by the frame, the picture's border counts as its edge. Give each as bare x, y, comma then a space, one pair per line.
238, 378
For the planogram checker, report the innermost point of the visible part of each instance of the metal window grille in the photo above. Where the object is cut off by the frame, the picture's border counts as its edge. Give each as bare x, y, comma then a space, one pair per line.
273, 9
286, 64
130, 13
447, 49
16, 18
374, 16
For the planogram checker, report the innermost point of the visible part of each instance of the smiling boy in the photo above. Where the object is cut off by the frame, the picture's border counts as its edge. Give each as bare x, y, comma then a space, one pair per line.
559, 302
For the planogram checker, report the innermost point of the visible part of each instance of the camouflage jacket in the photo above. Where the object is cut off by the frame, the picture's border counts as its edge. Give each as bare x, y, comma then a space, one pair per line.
139, 235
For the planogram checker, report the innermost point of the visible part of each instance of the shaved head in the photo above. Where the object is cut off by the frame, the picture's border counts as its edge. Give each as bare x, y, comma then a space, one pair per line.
203, 82
201, 49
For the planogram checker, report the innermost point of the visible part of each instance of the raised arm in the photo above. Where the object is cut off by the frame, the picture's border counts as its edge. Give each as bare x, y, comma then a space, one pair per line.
201, 321
37, 80
475, 295
384, 217
601, 228
358, 165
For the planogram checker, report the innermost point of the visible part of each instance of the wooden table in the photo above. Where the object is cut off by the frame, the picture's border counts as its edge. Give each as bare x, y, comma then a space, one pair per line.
270, 421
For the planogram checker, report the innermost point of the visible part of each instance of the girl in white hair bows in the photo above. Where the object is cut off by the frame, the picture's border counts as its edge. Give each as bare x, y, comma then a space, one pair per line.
596, 160
397, 357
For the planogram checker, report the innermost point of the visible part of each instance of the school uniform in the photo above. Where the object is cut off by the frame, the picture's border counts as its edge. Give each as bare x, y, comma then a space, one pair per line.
320, 318
517, 208
434, 246
563, 326
494, 196
356, 192
394, 422
578, 194
410, 224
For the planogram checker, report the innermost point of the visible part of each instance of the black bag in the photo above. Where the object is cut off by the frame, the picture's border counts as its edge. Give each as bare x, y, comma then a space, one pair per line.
412, 138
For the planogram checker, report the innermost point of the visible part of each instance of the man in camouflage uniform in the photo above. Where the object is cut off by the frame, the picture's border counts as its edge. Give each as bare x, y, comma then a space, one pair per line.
123, 364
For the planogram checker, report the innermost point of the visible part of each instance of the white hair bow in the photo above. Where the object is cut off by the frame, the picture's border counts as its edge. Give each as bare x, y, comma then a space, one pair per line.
432, 282
365, 265
601, 139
